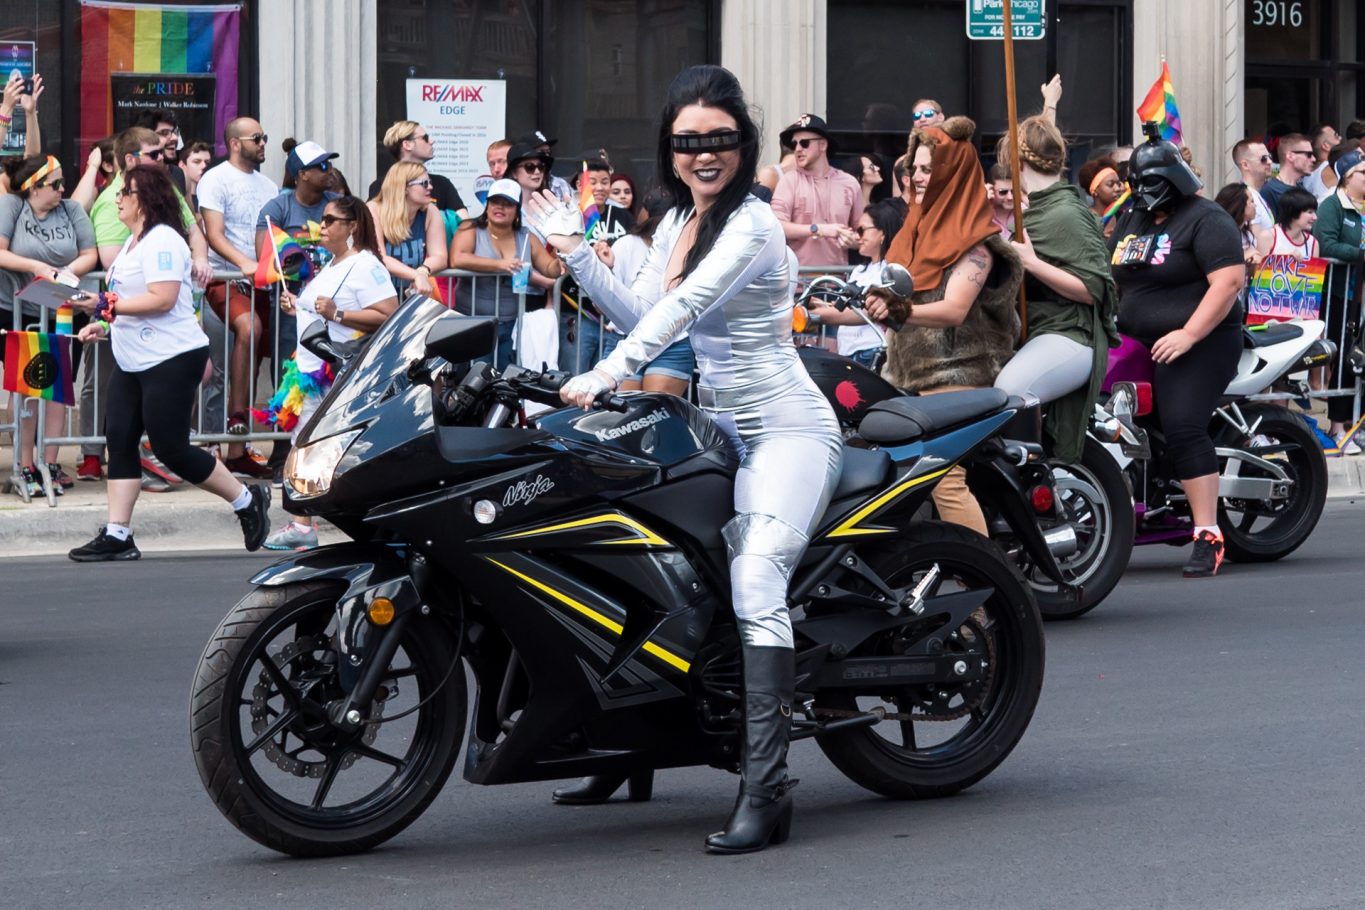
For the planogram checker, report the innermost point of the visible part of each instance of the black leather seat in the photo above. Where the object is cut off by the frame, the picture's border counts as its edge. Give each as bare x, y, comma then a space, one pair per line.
863, 470
1272, 334
900, 420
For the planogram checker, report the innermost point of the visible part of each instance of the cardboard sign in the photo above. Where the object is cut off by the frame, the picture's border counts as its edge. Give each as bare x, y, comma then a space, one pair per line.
464, 117
1285, 288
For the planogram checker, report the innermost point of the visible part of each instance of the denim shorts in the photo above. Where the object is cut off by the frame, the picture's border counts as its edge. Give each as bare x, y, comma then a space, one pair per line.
676, 362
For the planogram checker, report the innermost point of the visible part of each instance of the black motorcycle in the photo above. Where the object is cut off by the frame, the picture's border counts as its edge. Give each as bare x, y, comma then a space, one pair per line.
572, 567
1084, 509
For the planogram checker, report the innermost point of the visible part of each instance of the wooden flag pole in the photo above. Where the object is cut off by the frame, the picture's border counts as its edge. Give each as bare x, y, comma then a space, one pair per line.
1012, 112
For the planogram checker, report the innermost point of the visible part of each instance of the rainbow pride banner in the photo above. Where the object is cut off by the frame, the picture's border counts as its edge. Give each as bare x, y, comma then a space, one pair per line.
1284, 288
38, 365
161, 38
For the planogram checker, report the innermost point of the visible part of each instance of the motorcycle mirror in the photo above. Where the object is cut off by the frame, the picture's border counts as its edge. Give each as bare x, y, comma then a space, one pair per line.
896, 279
317, 340
458, 339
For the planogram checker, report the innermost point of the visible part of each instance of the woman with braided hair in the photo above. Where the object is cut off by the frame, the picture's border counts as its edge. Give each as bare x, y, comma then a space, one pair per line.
1072, 301
960, 325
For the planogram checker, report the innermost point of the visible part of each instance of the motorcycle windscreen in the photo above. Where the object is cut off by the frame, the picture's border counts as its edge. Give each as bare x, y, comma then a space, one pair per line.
378, 373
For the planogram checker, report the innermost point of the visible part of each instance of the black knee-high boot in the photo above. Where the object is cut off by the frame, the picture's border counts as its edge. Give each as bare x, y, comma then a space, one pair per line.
763, 811
591, 791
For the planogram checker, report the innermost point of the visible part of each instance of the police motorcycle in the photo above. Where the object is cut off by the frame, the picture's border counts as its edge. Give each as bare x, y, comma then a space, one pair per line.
1083, 511
571, 567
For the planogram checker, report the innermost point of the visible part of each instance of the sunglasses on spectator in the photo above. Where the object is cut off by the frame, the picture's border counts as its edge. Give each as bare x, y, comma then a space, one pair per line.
323, 166
425, 137
1266, 159
154, 154
127, 191
329, 220
922, 115
167, 132
425, 183
258, 138
862, 229
52, 184
805, 143
1300, 151
532, 167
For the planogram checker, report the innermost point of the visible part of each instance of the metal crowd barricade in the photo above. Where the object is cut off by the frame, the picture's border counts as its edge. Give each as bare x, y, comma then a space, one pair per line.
1341, 310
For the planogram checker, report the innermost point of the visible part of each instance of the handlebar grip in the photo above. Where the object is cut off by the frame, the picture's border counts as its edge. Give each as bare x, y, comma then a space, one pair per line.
610, 401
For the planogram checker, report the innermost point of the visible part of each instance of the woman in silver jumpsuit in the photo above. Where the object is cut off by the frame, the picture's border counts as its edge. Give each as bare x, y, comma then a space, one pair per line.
718, 269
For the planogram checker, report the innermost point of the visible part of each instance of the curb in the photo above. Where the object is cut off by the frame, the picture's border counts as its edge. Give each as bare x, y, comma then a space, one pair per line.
1345, 477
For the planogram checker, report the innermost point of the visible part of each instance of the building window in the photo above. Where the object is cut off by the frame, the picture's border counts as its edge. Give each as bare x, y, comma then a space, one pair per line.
884, 55
1303, 64
589, 73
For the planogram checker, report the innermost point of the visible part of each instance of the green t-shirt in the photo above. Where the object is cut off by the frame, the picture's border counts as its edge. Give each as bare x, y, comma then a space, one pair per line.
109, 231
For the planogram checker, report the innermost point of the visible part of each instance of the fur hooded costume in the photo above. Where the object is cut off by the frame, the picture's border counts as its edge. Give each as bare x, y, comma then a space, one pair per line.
953, 217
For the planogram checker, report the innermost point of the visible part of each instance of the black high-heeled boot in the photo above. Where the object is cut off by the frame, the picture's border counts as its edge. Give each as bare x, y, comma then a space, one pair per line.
597, 789
763, 811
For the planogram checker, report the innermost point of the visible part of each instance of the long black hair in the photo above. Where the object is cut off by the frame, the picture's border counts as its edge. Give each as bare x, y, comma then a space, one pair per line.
710, 86
887, 218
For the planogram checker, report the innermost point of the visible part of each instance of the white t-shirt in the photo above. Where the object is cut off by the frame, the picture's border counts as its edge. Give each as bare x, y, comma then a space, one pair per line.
1314, 184
1283, 246
855, 338
239, 197
1264, 218
142, 342
357, 281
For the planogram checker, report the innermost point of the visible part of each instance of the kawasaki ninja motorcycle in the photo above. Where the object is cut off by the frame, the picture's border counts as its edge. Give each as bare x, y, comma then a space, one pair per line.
567, 575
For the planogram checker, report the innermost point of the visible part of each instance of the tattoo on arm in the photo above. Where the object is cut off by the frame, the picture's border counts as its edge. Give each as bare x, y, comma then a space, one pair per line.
978, 265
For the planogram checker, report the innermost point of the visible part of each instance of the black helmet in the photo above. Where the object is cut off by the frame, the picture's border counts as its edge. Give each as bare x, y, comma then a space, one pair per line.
1157, 175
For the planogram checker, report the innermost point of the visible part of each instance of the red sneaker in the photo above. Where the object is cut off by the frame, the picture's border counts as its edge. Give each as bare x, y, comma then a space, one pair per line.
90, 469
245, 466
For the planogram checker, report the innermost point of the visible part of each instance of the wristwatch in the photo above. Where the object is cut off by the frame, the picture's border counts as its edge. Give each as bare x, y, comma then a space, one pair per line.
814, 229
336, 317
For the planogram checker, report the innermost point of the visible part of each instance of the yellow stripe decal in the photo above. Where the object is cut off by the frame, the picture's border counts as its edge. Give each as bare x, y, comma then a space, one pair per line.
849, 527
646, 538
595, 616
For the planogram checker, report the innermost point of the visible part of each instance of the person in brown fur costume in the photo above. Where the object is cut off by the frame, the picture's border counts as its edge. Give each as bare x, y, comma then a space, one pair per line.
960, 325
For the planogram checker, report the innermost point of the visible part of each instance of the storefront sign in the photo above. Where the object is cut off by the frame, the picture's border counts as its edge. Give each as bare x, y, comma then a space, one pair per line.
1282, 29
1286, 287
190, 97
16, 57
986, 19
464, 117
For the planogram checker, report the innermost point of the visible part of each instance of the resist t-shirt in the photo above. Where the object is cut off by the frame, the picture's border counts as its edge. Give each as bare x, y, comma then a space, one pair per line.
1159, 295
55, 239
239, 196
142, 342
354, 283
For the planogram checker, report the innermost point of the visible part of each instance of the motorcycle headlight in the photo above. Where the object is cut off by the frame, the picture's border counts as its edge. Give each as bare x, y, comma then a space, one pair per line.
309, 469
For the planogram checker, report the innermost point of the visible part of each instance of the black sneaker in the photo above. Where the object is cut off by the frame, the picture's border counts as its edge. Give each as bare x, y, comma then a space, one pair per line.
106, 548
1206, 558
255, 518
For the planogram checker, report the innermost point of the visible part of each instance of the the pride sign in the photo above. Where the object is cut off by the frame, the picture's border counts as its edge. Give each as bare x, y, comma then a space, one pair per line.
1286, 287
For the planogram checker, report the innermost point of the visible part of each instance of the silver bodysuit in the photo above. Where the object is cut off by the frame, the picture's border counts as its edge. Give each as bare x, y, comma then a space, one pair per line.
737, 306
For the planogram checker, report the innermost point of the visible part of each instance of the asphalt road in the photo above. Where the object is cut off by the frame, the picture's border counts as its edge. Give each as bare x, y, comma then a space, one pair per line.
1199, 744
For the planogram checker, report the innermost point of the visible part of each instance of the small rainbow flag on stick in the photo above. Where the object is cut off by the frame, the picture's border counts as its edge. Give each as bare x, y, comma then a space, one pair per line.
281, 257
65, 317
38, 365
1113, 210
1159, 106
588, 205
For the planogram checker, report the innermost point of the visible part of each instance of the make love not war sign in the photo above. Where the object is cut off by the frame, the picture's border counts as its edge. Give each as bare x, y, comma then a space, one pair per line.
1286, 287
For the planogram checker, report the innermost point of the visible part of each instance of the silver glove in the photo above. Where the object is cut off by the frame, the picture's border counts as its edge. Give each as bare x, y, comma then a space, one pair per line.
554, 217
584, 388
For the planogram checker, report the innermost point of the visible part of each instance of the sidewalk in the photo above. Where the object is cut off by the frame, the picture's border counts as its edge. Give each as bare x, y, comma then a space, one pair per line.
186, 518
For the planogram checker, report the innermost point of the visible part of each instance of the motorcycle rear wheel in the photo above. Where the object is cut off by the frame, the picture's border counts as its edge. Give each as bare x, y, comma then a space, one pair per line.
993, 719
1254, 531
276, 766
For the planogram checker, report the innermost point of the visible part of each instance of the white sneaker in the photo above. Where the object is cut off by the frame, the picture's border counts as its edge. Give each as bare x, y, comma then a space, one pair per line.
1346, 445
290, 537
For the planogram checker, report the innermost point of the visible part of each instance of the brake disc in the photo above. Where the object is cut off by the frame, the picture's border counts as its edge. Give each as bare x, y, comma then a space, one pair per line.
262, 716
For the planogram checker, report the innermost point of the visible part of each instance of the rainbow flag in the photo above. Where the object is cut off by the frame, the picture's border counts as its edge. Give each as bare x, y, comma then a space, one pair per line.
122, 37
587, 205
286, 260
1112, 212
38, 365
1159, 106
65, 315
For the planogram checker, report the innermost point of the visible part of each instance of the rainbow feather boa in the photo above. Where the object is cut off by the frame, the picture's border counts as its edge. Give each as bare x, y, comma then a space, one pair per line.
287, 404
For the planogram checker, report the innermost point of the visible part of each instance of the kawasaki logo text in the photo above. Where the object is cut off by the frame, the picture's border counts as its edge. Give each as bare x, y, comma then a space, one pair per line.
635, 426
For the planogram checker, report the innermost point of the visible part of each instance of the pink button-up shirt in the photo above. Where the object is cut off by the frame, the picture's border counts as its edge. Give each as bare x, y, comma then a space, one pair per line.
833, 197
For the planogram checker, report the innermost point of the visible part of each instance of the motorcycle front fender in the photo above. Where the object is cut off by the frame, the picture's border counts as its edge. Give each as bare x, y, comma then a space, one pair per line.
370, 571
997, 482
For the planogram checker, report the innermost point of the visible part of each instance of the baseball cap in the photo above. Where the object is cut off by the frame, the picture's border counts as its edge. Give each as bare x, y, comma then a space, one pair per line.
535, 137
307, 154
507, 189
811, 123
1347, 162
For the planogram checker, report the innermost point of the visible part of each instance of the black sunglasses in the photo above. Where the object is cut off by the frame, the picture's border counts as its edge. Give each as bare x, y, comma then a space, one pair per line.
52, 184
532, 167
127, 191
323, 166
425, 137
259, 138
696, 143
861, 229
154, 154
329, 220
805, 143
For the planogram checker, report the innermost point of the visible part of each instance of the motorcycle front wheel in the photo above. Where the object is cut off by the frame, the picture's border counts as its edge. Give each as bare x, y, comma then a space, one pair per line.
944, 738
272, 759
1258, 530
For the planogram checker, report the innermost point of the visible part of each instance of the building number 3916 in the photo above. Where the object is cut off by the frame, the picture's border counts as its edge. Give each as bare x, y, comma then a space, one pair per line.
1277, 13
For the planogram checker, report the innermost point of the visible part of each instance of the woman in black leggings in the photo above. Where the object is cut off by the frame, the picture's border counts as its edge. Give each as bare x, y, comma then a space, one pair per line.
1178, 264
159, 356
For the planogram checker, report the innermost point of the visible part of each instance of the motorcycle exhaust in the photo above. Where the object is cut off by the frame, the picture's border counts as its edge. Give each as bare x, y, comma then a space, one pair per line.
1061, 541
